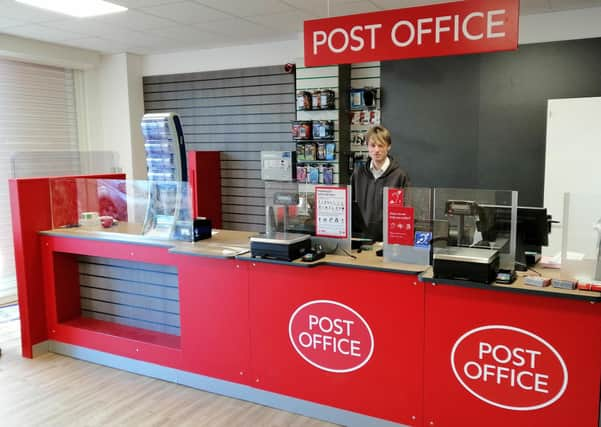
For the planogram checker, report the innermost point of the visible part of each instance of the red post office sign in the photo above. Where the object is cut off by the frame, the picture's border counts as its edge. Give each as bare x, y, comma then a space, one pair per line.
508, 367
472, 26
331, 336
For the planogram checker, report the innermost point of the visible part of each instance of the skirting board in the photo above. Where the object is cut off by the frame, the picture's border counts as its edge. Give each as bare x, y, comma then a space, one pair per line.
226, 388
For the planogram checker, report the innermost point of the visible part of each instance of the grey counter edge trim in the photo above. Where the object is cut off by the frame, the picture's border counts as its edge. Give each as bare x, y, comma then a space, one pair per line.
226, 388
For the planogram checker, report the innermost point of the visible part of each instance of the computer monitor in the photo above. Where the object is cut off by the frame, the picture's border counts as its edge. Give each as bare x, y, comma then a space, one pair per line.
533, 228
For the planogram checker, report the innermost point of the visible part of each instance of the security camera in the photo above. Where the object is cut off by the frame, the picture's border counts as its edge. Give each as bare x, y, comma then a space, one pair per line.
289, 67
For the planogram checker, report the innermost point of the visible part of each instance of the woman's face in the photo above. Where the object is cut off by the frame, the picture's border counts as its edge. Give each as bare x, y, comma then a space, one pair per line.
377, 151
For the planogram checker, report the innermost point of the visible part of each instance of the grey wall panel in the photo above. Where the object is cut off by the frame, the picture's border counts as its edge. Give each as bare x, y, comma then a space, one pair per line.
129, 274
479, 121
133, 322
133, 300
130, 293
145, 289
184, 100
130, 312
239, 113
213, 111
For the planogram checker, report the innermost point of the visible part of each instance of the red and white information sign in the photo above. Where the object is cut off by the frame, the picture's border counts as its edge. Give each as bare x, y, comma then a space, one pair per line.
331, 212
331, 336
472, 26
510, 368
400, 219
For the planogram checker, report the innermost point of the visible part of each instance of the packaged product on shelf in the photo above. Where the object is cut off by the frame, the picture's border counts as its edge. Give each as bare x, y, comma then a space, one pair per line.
328, 174
317, 129
328, 100
320, 177
302, 129
330, 151
310, 151
321, 151
301, 173
327, 129
364, 117
313, 174
374, 117
357, 101
303, 100
316, 100
300, 151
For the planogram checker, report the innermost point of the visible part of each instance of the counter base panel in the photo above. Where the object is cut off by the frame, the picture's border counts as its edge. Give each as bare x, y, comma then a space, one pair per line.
226, 388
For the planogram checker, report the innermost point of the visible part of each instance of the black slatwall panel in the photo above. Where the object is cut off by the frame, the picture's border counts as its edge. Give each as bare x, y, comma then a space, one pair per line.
237, 112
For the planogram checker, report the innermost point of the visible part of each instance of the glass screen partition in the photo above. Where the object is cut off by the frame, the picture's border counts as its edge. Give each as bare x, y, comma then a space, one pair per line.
321, 211
581, 240
408, 225
478, 219
160, 210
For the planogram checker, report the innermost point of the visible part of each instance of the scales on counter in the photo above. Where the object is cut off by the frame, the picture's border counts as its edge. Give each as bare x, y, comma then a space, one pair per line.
280, 246
462, 263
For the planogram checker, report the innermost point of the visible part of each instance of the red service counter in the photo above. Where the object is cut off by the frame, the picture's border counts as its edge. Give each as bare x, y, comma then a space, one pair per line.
356, 342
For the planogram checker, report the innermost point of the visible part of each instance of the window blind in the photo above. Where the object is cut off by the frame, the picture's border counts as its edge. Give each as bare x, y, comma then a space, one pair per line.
38, 137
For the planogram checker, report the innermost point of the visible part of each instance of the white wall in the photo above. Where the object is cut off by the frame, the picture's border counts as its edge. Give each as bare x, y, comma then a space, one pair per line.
114, 108
21, 49
565, 25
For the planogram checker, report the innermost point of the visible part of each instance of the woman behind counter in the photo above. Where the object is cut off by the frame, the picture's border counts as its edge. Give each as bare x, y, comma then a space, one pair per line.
368, 183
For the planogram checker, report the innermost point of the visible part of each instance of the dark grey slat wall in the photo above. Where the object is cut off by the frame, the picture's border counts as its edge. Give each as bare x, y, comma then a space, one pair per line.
130, 293
237, 112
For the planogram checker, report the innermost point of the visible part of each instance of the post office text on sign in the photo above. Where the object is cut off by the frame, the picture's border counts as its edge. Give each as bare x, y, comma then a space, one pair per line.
404, 33
455, 28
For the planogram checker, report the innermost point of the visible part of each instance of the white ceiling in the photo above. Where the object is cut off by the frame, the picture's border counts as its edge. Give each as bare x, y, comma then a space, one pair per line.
161, 26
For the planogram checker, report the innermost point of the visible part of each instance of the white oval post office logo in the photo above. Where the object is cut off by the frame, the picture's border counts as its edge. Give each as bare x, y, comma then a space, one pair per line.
508, 367
331, 336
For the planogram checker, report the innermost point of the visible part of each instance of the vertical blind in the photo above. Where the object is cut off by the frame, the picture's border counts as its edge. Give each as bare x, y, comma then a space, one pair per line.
38, 137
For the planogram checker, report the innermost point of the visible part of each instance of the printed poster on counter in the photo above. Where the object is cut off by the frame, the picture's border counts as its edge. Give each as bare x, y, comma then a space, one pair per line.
400, 219
331, 212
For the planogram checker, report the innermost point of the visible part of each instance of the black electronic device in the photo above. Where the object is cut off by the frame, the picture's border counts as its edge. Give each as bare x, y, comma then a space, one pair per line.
505, 277
280, 246
533, 227
313, 256
461, 263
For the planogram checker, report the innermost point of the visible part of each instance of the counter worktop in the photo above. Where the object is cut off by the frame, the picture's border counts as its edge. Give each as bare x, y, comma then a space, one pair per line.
519, 286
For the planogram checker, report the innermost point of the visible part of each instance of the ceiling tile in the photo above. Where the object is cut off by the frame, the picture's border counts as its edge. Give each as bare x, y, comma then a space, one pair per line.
320, 7
248, 8
140, 4
401, 4
187, 33
95, 43
134, 20
289, 21
187, 12
234, 28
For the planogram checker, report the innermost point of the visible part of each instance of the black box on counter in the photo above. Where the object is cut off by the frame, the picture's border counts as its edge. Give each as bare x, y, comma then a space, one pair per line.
280, 246
471, 264
202, 228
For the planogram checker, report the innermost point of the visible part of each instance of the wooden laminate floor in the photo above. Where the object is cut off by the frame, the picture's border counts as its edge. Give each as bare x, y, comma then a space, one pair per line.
54, 390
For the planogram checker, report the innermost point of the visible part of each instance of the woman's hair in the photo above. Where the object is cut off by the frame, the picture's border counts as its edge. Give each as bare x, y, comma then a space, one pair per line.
379, 135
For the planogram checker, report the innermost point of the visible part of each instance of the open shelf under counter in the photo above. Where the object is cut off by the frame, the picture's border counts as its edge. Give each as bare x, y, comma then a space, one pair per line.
123, 331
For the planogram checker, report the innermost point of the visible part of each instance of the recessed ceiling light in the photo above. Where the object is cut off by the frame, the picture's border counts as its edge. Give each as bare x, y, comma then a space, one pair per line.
77, 8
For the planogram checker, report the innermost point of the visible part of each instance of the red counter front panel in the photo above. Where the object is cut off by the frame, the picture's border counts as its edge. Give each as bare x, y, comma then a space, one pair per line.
506, 359
214, 317
325, 335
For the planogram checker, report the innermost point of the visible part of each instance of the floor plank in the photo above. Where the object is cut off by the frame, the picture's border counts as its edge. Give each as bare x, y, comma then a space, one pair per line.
54, 390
